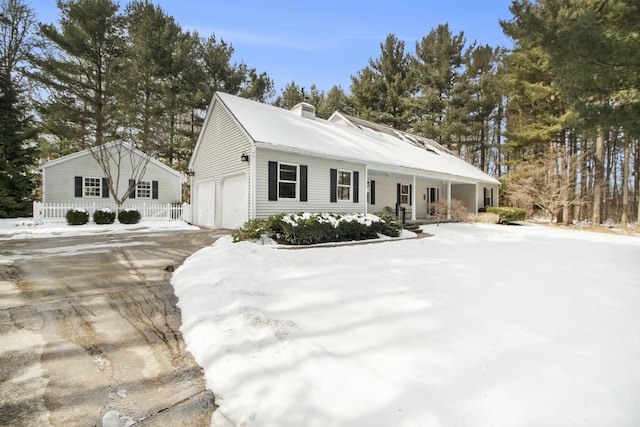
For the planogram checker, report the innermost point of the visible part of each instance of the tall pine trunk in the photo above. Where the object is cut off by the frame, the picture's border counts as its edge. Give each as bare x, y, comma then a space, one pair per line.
596, 217
625, 182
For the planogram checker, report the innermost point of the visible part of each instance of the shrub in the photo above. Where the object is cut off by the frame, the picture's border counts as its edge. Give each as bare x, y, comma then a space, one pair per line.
459, 211
508, 215
307, 229
252, 229
389, 226
129, 216
104, 216
77, 216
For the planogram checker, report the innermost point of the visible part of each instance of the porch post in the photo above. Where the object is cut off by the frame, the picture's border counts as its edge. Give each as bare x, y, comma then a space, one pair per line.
367, 189
449, 200
475, 208
415, 201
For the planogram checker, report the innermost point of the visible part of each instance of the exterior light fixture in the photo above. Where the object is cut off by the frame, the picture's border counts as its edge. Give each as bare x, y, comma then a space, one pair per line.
244, 157
191, 172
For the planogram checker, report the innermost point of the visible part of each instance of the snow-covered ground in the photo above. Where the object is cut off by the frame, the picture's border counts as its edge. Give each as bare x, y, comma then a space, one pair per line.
479, 325
24, 228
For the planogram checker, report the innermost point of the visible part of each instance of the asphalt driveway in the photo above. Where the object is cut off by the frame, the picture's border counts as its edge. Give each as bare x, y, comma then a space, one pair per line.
89, 332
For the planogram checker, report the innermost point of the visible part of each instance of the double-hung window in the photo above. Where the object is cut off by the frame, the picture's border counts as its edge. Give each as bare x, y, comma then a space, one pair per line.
344, 185
92, 187
404, 194
287, 181
143, 190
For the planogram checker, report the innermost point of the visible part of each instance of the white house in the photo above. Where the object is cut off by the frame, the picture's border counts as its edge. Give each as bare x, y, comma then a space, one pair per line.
253, 160
79, 179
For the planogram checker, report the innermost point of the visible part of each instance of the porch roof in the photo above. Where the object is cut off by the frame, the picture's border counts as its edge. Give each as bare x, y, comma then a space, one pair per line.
280, 129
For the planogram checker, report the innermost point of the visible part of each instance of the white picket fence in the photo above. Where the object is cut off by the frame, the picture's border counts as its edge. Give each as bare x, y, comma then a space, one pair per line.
57, 212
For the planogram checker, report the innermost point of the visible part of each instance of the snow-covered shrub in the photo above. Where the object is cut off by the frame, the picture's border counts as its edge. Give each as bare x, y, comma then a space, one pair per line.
77, 216
252, 229
104, 216
507, 215
129, 216
389, 226
306, 228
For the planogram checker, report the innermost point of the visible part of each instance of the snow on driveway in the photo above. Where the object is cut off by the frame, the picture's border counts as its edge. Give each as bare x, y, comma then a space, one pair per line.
480, 325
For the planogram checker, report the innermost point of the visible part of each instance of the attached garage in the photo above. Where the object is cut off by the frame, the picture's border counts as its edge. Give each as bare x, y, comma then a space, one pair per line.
235, 201
205, 193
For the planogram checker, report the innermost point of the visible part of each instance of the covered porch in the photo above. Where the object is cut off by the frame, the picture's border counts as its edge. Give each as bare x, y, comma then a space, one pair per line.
416, 197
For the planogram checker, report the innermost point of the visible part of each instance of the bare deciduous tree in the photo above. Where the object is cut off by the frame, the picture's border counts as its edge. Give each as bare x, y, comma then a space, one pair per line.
540, 185
120, 161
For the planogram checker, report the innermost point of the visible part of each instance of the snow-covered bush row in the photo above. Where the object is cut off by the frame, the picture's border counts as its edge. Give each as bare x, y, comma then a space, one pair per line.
306, 228
80, 216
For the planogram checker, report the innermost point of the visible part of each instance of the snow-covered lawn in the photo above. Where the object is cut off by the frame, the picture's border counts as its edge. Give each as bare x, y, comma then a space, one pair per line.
480, 325
24, 228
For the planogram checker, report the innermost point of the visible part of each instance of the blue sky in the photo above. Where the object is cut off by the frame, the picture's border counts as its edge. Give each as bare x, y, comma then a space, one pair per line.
322, 42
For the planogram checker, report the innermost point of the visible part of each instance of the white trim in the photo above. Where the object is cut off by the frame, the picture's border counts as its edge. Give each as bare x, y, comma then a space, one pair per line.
413, 198
475, 209
449, 200
252, 183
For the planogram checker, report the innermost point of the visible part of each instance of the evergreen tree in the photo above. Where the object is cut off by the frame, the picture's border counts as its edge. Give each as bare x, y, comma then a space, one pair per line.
81, 73
152, 41
258, 87
381, 90
336, 100
482, 101
291, 95
438, 110
18, 153
18, 149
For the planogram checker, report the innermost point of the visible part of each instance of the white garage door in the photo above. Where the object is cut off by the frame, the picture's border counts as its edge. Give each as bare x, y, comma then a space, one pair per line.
235, 201
204, 202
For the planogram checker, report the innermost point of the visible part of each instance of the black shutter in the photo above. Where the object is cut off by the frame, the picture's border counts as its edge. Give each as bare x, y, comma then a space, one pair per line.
333, 183
78, 186
484, 191
356, 186
372, 189
273, 180
398, 199
105, 188
132, 184
303, 183
154, 189
410, 194
491, 204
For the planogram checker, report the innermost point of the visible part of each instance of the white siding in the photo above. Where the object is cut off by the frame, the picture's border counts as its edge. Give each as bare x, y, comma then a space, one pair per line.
218, 156
465, 193
59, 181
318, 188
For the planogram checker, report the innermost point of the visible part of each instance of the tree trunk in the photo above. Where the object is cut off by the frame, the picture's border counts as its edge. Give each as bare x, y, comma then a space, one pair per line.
625, 182
596, 218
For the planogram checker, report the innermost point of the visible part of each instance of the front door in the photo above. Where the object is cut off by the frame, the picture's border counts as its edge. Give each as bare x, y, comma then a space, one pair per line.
433, 195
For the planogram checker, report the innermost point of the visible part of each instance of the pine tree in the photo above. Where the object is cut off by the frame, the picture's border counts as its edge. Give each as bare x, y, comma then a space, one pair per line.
438, 110
291, 95
336, 100
18, 149
18, 153
380, 91
82, 73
